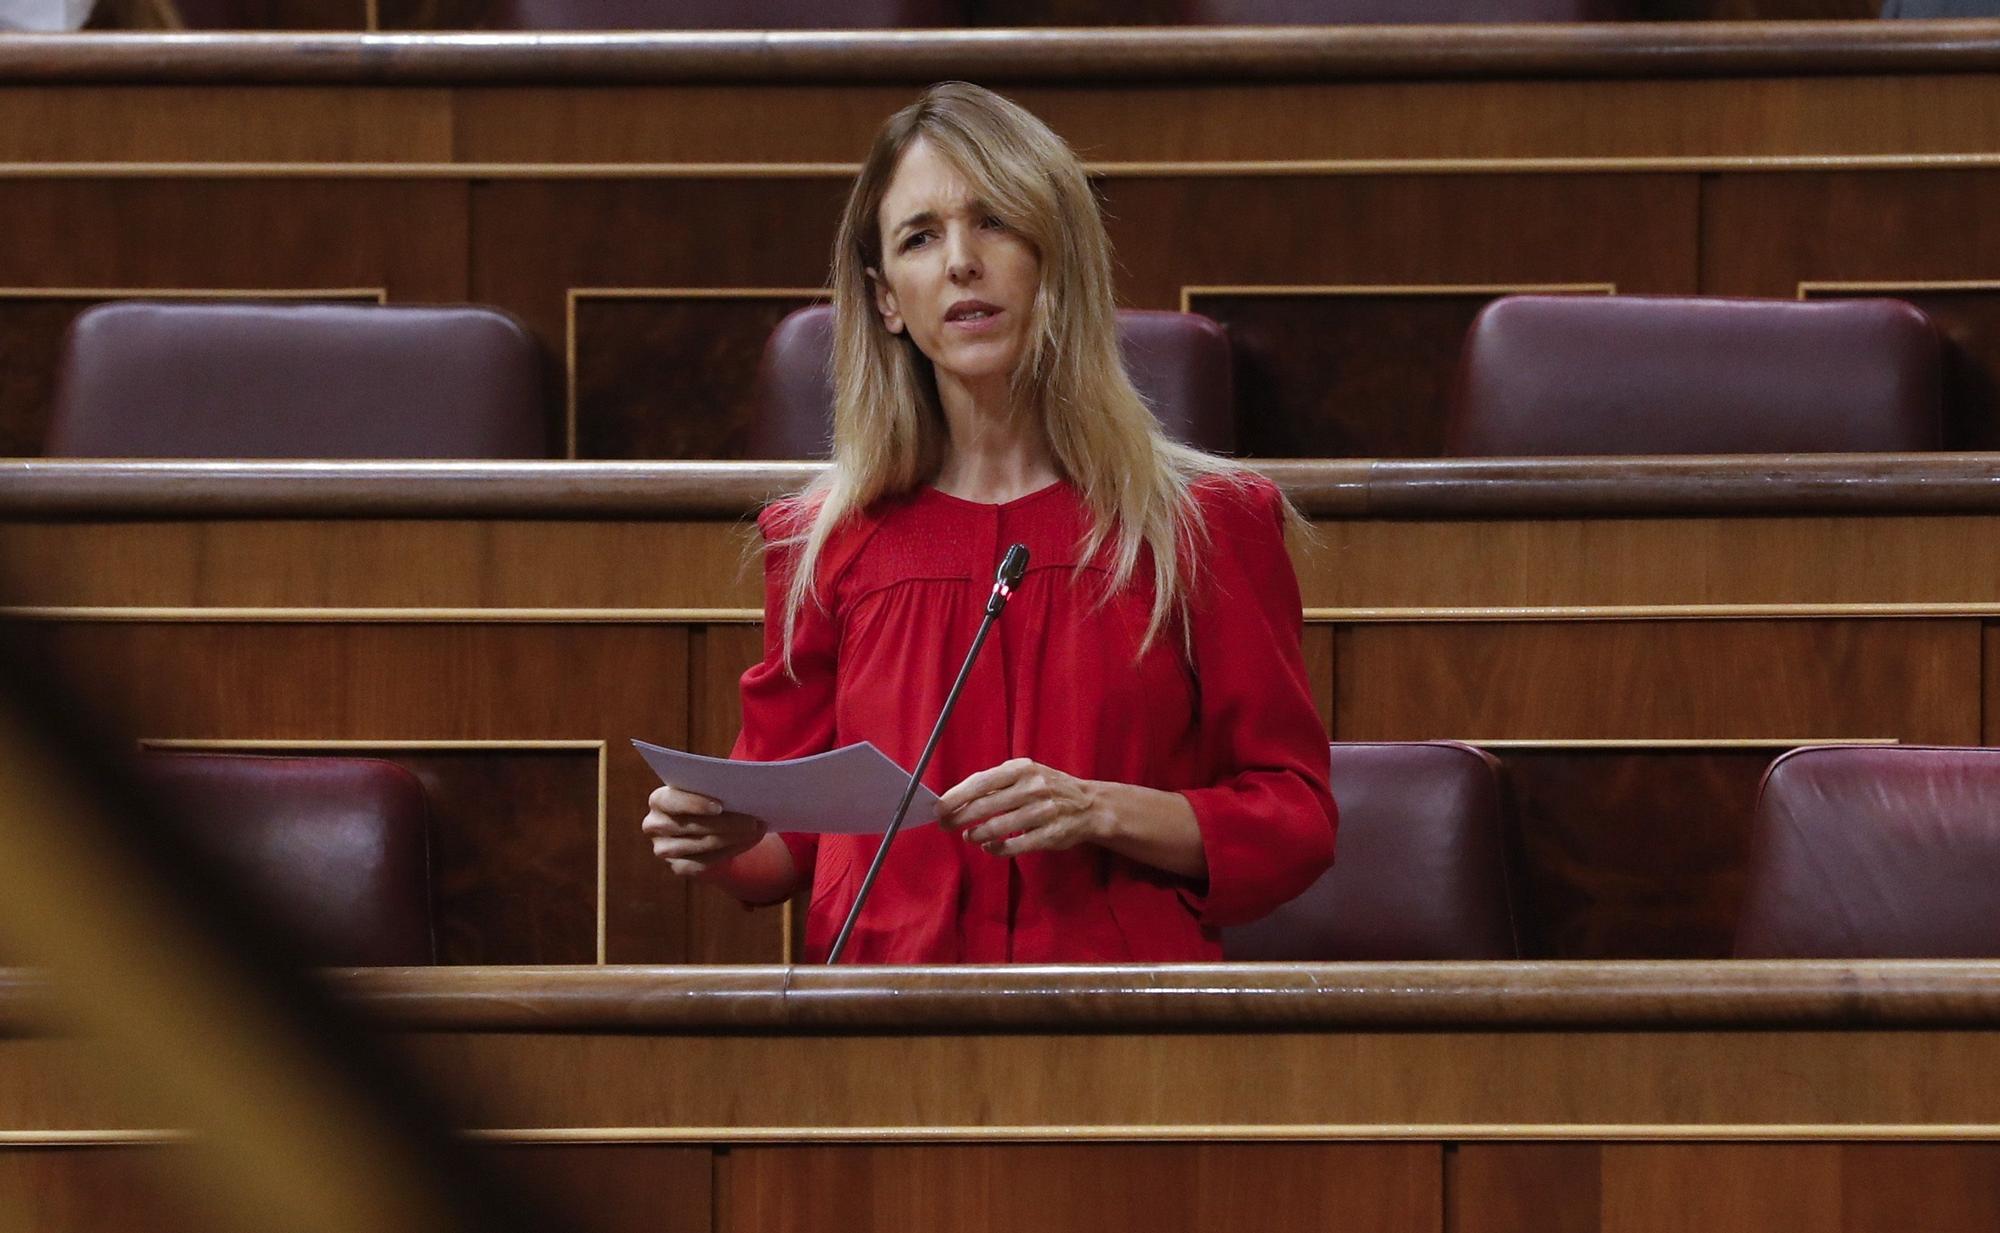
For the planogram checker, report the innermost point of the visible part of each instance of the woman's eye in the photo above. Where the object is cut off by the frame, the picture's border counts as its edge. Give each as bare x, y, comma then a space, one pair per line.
915, 239
992, 223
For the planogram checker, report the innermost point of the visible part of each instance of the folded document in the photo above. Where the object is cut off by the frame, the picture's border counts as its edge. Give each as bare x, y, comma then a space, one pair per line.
851, 791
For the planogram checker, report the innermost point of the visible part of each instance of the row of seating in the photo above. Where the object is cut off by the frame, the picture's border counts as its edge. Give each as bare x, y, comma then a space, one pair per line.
1858, 852
1538, 376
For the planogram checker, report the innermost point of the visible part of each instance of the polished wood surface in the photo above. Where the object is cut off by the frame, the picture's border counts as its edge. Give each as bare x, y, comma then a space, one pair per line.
1228, 53
1635, 640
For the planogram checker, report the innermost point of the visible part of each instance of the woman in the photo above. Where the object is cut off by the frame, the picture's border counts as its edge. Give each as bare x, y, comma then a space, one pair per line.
1136, 759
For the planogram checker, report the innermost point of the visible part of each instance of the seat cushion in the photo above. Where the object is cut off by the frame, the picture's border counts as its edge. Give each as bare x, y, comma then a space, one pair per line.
1179, 362
336, 847
1554, 375
1421, 868
144, 379
1875, 852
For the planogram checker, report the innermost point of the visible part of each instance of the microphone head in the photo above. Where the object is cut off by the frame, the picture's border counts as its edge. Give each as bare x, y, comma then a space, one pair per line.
1012, 566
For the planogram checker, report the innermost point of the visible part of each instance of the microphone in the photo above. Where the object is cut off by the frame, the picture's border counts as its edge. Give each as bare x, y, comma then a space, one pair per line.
1012, 566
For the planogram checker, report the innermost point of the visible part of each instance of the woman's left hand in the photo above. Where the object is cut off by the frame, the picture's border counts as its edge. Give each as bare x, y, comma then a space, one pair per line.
1022, 806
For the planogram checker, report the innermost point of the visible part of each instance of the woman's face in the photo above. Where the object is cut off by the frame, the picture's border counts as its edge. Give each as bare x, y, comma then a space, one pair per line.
957, 279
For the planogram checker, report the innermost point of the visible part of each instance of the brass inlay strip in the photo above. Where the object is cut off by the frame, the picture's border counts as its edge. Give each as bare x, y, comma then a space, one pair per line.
280, 744
1127, 169
574, 294
1810, 286
1649, 612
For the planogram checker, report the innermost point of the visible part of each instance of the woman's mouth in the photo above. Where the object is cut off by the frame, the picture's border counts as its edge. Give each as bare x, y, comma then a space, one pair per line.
972, 316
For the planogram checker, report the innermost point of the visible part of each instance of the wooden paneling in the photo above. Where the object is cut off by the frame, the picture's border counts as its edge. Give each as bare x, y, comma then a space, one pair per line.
1944, 1187
192, 680
1211, 1188
224, 124
1522, 1188
1769, 680
1343, 374
1631, 854
558, 565
614, 1188
99, 1190
1697, 1188
1316, 641
643, 364
1636, 232
1431, 563
721, 930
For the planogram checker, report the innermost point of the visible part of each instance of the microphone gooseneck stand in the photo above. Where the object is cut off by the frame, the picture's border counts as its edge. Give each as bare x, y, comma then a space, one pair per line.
1012, 566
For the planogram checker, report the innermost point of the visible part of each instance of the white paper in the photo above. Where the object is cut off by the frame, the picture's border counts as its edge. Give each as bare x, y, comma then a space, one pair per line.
851, 791
45, 16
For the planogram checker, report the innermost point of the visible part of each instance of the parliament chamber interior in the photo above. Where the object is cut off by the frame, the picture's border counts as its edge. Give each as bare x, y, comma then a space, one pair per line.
388, 390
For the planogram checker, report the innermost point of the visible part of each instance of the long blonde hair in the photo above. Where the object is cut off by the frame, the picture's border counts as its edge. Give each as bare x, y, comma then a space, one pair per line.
889, 431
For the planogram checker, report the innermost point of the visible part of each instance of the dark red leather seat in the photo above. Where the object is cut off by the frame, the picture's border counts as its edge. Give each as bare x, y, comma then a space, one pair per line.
1549, 375
1866, 852
145, 379
1180, 363
1394, 12
1419, 870
726, 14
337, 847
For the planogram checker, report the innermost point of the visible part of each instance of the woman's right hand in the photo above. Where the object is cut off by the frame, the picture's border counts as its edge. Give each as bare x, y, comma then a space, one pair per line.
694, 834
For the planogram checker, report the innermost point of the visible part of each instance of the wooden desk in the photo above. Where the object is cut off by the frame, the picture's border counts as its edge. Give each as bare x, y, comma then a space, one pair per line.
1626, 1097
1636, 638
1345, 200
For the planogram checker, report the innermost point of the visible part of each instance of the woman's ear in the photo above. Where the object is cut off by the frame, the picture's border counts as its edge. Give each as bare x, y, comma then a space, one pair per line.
885, 302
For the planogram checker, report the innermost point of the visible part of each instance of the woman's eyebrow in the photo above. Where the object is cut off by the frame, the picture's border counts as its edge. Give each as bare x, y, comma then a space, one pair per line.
922, 218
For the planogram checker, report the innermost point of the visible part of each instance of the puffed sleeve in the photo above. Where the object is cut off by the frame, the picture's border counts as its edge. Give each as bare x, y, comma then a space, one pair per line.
788, 714
1267, 823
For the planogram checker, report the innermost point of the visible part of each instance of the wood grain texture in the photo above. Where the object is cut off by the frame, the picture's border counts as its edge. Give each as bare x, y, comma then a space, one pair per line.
101, 1190
1636, 232
670, 377
1671, 1188
614, 1188
1630, 854
224, 123
1210, 1187
1523, 1188
442, 682
1856, 47
1649, 681
721, 930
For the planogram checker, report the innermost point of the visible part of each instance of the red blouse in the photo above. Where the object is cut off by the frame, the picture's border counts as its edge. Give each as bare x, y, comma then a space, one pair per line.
1060, 680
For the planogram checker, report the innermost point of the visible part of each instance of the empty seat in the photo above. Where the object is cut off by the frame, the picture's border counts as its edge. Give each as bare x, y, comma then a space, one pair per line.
1548, 375
726, 14
1875, 852
337, 847
146, 379
1180, 363
1420, 870
1395, 12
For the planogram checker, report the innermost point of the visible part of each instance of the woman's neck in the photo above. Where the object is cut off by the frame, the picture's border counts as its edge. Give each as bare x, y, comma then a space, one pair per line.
996, 452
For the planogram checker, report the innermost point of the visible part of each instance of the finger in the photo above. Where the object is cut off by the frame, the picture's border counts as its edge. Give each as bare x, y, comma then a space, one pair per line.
1012, 796
670, 848
1053, 838
977, 785
1031, 816
669, 799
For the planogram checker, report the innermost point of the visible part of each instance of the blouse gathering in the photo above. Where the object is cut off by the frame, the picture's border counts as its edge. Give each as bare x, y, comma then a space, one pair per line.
1224, 716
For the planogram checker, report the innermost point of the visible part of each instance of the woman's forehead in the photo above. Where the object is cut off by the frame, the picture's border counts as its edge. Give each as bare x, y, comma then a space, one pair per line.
925, 181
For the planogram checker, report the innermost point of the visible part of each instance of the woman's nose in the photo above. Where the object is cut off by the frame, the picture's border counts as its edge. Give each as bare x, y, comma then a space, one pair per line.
962, 258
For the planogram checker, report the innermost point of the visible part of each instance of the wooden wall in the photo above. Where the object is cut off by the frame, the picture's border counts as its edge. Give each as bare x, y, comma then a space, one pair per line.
1345, 230
1635, 676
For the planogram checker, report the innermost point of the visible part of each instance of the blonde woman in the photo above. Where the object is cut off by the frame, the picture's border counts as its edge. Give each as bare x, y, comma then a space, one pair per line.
1136, 760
